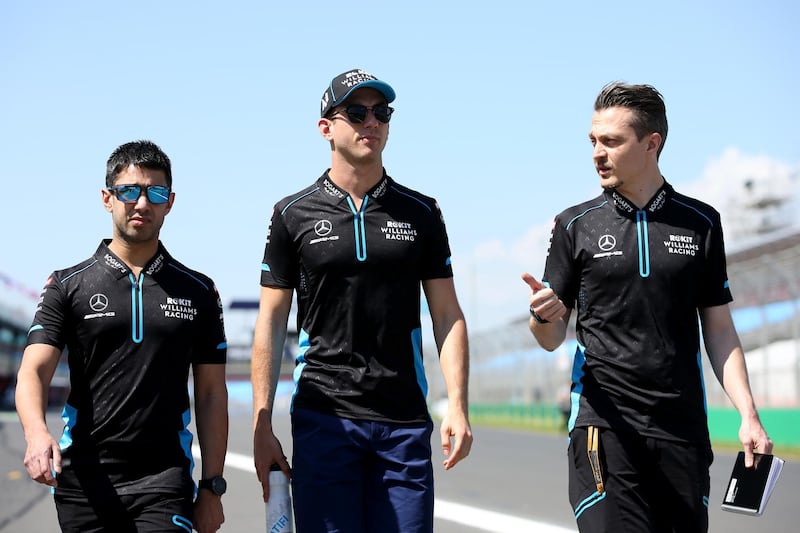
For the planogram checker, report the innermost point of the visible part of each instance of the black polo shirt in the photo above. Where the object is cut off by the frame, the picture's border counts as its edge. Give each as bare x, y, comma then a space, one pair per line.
357, 274
131, 342
637, 278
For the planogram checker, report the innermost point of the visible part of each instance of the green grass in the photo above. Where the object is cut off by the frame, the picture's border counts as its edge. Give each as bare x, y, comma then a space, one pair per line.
548, 419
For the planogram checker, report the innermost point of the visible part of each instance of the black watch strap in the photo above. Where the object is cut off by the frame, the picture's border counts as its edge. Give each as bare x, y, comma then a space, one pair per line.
217, 485
537, 318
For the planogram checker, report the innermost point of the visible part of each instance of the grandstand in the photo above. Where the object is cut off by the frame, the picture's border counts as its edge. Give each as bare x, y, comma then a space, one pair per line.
765, 278
13, 333
14, 324
240, 342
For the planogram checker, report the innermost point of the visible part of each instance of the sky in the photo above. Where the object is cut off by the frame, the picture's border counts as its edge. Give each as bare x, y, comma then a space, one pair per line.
493, 108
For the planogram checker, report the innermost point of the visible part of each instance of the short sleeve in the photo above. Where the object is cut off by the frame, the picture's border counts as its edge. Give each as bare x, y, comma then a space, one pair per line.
560, 271
280, 265
49, 321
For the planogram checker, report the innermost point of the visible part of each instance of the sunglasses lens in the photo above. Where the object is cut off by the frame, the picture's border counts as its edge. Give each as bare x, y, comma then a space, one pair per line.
356, 113
128, 193
383, 113
157, 194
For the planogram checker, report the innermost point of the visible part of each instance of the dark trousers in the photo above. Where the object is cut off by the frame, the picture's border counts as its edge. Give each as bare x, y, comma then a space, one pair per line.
133, 513
356, 476
648, 485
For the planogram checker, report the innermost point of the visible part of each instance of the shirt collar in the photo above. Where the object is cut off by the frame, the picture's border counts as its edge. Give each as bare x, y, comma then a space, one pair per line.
113, 263
328, 187
628, 208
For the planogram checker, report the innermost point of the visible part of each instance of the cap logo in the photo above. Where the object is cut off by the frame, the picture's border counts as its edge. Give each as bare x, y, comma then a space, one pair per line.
354, 77
325, 99
344, 83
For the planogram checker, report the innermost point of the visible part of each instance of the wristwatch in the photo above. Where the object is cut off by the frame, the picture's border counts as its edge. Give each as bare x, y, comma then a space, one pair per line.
216, 485
537, 318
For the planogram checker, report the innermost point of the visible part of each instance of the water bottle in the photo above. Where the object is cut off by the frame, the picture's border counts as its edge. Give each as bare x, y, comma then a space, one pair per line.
279, 505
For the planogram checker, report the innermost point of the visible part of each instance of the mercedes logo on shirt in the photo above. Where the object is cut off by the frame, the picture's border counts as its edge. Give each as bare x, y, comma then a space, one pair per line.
98, 302
607, 242
323, 227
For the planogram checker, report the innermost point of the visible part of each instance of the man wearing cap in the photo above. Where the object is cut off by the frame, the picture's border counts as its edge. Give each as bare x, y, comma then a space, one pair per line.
356, 246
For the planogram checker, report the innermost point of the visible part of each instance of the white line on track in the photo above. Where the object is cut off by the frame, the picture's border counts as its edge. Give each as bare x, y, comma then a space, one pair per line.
444, 510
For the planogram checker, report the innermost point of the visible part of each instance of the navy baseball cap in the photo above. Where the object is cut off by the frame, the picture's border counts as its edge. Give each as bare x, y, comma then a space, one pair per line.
343, 85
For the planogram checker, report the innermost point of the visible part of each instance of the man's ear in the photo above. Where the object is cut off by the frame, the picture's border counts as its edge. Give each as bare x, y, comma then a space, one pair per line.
654, 142
170, 202
324, 125
106, 196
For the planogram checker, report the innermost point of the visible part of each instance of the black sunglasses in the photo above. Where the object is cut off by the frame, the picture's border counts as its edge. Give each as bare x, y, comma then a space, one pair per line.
156, 194
357, 113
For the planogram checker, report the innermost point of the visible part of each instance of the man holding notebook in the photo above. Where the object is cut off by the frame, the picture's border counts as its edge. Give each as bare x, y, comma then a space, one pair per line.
640, 264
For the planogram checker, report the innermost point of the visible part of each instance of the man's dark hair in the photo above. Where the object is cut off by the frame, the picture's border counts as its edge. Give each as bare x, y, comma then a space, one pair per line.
646, 103
145, 154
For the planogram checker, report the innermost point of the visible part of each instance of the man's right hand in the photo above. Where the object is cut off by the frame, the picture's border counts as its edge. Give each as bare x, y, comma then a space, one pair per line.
543, 301
267, 450
43, 459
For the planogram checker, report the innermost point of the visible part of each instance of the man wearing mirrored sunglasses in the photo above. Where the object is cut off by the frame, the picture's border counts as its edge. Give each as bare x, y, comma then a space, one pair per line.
356, 246
134, 322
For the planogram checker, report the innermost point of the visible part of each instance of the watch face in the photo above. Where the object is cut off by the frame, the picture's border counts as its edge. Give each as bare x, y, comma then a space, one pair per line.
218, 485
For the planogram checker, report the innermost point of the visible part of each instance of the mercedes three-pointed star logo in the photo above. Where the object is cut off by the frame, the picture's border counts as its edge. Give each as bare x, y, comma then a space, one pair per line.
323, 227
607, 242
98, 302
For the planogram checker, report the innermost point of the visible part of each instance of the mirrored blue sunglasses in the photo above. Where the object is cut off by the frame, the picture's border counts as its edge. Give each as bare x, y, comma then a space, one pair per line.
156, 194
